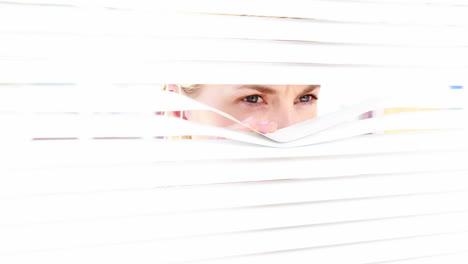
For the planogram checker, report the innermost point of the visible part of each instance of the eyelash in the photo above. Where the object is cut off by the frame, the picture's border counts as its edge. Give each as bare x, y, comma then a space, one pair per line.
244, 99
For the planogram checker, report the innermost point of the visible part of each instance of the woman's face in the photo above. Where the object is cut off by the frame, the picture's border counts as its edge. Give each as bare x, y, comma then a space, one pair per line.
280, 105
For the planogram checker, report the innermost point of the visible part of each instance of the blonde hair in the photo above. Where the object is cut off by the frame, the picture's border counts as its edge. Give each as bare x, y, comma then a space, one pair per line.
190, 90
187, 89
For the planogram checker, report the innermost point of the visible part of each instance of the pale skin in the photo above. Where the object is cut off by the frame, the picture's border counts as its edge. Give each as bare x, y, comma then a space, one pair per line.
265, 108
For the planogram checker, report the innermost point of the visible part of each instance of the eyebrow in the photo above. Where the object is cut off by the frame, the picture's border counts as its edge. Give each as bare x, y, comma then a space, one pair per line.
310, 88
268, 90
260, 88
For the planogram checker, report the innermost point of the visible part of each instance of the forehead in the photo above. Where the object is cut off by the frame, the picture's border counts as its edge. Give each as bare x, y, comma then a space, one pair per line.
264, 88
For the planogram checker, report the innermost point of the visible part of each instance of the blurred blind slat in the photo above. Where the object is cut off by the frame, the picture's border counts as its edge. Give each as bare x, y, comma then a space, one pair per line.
84, 180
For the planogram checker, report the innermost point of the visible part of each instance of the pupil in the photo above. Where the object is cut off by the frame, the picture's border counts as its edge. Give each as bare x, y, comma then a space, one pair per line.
305, 98
252, 99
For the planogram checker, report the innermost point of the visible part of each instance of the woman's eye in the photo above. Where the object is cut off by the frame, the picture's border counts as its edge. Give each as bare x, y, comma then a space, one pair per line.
306, 98
253, 99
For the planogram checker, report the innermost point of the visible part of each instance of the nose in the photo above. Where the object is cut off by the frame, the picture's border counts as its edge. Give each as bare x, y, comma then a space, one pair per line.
285, 116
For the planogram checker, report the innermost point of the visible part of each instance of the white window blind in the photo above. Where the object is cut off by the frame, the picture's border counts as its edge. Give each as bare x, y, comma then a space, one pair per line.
86, 178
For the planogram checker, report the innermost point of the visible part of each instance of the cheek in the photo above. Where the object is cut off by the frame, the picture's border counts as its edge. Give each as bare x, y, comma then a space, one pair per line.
242, 112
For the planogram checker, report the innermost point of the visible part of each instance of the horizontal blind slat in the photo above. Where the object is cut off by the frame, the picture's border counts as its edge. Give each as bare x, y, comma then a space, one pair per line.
240, 243
97, 176
92, 201
124, 50
354, 253
215, 72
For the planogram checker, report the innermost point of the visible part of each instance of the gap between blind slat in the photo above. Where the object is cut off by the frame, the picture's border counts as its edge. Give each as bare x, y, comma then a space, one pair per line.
109, 97
27, 128
101, 153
